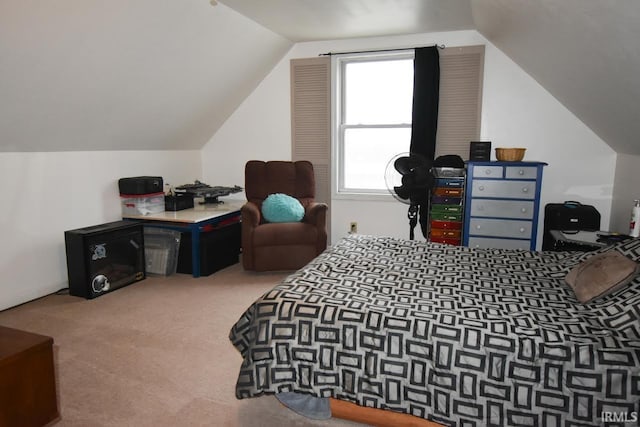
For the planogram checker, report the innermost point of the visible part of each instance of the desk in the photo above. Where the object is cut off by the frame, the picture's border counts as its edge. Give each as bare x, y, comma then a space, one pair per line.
194, 221
578, 240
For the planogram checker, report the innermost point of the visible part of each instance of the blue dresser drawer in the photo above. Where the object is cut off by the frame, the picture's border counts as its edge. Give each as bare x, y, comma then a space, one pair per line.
517, 209
487, 243
504, 189
521, 172
500, 228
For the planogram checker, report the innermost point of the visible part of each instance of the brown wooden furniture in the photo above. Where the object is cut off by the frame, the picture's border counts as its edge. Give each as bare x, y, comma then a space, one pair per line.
376, 417
27, 379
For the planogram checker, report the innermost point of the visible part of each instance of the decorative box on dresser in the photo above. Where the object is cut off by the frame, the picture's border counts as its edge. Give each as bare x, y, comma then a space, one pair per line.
502, 203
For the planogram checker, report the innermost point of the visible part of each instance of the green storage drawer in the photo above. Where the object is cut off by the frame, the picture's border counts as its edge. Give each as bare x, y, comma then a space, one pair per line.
457, 209
446, 216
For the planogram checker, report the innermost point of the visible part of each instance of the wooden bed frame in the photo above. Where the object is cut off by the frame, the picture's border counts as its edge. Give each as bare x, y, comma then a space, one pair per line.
376, 417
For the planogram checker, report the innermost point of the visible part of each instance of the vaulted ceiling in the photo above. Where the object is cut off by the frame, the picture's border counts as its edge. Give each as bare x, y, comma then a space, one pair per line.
163, 74
125, 75
586, 53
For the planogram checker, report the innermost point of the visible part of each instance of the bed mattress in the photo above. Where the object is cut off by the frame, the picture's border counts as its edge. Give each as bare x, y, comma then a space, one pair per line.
455, 335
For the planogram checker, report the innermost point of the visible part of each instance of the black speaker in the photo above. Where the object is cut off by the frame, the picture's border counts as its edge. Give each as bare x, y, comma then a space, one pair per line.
105, 257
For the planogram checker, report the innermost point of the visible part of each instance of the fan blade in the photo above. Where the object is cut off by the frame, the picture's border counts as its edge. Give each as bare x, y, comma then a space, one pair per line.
408, 179
404, 164
413, 192
402, 191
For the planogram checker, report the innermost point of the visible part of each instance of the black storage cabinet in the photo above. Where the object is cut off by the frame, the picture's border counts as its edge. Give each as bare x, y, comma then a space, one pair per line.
219, 248
105, 257
568, 216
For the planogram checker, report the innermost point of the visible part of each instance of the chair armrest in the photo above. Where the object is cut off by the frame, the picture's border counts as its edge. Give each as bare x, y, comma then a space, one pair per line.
316, 213
250, 214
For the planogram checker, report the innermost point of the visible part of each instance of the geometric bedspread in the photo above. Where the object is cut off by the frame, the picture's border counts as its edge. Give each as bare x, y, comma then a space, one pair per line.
460, 336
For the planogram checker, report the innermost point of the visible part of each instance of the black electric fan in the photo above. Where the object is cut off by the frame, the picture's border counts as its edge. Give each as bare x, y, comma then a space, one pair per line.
409, 178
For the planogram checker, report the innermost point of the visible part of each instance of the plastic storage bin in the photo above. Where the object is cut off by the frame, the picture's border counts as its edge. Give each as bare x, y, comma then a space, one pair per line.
161, 248
219, 248
142, 204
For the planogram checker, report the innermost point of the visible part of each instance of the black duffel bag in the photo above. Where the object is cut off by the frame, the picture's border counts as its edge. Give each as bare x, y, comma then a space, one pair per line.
568, 216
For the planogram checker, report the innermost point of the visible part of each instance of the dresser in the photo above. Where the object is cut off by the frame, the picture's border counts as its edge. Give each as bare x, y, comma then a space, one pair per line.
502, 203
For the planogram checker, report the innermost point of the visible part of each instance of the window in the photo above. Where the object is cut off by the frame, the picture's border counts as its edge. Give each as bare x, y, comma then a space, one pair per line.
372, 119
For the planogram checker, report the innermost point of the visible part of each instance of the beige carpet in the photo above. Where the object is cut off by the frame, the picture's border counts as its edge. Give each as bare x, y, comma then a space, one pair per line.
155, 353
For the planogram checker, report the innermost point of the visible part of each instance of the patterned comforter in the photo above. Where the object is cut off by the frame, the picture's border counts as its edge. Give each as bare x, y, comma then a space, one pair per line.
464, 337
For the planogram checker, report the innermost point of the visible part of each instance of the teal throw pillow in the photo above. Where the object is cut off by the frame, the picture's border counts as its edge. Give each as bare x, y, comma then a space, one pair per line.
280, 207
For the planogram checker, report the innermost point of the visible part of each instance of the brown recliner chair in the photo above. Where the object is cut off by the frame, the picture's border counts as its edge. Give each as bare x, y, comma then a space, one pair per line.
281, 246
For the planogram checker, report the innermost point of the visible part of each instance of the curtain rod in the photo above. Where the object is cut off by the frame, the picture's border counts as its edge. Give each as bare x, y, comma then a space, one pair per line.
440, 46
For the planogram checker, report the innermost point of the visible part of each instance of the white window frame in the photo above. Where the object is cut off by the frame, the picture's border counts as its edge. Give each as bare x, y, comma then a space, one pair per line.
338, 64
455, 128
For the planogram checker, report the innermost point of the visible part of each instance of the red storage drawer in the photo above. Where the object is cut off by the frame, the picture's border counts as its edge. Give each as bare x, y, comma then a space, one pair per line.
447, 225
437, 233
451, 192
447, 240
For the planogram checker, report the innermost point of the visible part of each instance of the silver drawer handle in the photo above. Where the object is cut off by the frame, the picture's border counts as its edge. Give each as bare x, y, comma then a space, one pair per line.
523, 210
525, 189
522, 229
487, 171
521, 172
481, 188
478, 227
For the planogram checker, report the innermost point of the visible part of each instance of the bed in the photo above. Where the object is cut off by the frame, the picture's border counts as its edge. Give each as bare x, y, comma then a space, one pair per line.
454, 335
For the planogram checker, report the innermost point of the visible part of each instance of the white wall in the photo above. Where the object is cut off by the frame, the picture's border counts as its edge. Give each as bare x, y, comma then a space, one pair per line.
626, 189
517, 111
259, 129
45, 194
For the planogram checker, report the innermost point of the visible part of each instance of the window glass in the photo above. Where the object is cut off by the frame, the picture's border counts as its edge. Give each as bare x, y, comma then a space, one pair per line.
377, 97
378, 92
367, 152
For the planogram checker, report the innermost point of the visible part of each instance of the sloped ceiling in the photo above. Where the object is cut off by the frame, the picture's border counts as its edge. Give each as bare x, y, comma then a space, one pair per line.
306, 20
584, 52
165, 74
125, 75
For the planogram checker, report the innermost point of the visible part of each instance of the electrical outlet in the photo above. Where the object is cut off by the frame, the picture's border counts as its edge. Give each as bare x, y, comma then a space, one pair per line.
353, 227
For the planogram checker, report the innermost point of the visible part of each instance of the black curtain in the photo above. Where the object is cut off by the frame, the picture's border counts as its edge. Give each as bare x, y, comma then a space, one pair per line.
426, 94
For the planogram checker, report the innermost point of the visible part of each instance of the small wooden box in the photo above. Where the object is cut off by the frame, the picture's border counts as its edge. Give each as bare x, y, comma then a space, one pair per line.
27, 379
